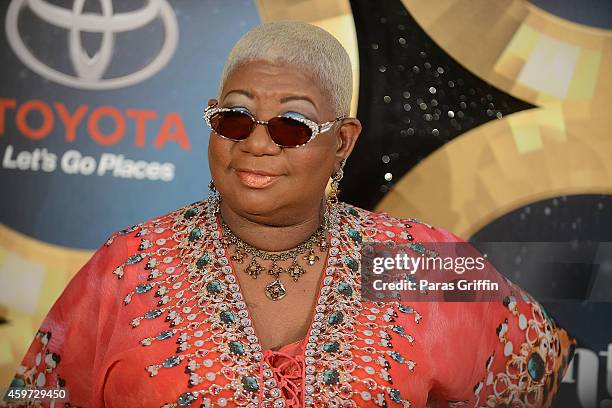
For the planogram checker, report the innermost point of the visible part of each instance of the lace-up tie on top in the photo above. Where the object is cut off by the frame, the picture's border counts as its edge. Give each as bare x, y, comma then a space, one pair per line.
287, 364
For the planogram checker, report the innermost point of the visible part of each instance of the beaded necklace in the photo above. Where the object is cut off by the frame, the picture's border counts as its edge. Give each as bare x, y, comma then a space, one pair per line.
276, 290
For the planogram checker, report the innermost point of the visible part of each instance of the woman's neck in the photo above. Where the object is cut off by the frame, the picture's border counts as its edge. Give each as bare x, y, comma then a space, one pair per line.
269, 237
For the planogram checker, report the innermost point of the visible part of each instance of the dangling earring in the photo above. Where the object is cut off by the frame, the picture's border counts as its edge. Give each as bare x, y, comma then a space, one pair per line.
213, 196
332, 200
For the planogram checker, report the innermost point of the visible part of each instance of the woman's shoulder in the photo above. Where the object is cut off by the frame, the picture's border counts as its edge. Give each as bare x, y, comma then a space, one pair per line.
174, 220
388, 226
161, 234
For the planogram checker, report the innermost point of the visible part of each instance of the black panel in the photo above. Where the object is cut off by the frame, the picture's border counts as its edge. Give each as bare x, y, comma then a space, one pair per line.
413, 98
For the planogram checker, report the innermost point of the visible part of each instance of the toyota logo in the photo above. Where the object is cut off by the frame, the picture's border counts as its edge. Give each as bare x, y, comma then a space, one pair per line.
90, 70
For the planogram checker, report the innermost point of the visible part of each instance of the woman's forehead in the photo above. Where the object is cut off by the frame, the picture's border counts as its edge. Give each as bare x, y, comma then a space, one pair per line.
283, 82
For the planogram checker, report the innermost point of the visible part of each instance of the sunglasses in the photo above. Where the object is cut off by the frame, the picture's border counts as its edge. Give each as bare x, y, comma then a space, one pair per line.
285, 131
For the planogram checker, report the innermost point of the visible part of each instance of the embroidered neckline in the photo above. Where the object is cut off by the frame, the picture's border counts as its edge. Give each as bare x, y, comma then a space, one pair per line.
198, 292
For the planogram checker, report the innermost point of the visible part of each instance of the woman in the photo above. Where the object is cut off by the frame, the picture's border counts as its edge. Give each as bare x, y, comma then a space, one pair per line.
252, 296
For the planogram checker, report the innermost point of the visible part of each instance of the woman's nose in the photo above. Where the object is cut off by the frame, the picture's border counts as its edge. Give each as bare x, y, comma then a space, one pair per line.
259, 142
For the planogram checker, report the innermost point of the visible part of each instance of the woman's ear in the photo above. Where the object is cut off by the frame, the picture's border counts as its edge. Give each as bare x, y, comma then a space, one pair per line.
349, 131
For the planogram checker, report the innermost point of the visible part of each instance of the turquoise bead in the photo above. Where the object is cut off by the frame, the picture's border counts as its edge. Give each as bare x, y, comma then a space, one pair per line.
203, 261
331, 347
195, 234
236, 347
418, 247
345, 289
227, 317
134, 259
405, 309
351, 263
335, 318
355, 235
166, 334
171, 362
190, 213
144, 288
213, 287
185, 399
535, 367
397, 357
395, 395
331, 376
152, 314
250, 384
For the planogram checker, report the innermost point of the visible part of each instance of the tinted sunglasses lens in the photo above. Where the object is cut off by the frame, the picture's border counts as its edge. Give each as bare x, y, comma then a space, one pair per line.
233, 125
289, 132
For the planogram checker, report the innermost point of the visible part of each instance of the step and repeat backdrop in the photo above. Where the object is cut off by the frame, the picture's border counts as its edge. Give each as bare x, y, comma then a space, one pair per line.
488, 118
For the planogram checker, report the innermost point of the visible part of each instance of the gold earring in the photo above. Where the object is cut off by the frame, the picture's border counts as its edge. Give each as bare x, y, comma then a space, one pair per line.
336, 177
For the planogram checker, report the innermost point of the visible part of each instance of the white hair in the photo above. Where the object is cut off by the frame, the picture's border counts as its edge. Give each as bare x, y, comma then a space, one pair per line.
301, 44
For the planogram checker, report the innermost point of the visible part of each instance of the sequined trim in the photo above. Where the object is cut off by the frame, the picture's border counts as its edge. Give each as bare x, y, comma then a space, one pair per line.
199, 297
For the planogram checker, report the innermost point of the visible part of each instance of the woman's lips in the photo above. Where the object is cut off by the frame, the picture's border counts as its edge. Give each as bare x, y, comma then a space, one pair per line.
256, 179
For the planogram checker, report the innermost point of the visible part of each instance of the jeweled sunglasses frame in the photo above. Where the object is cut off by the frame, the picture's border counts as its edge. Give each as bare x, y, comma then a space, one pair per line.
315, 128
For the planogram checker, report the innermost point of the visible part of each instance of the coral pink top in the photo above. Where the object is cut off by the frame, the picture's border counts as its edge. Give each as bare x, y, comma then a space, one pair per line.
288, 365
157, 318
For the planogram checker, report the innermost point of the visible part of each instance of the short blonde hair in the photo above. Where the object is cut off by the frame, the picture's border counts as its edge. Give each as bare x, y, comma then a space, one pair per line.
301, 44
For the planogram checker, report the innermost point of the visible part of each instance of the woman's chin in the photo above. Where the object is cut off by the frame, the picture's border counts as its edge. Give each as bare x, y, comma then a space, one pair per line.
256, 201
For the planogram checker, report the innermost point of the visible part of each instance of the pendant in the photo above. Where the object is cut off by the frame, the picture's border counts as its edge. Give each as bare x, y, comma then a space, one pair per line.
254, 268
275, 270
311, 258
295, 270
276, 290
323, 244
238, 256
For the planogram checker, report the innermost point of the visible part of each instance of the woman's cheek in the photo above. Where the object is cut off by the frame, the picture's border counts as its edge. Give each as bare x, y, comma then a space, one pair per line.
220, 156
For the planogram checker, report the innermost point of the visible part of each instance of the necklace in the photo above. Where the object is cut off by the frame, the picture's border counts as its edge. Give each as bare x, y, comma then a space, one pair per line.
276, 289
